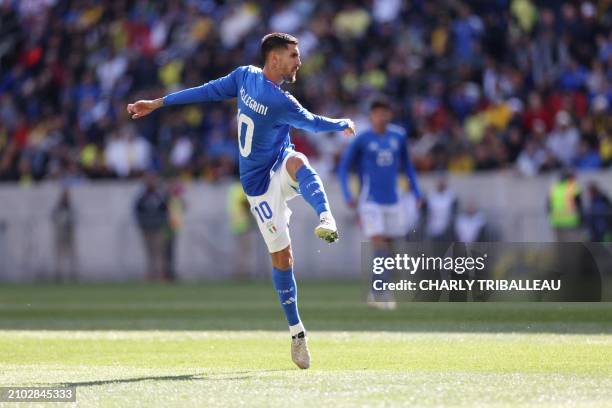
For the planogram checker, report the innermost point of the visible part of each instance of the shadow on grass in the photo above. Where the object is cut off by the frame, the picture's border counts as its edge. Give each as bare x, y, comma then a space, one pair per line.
235, 376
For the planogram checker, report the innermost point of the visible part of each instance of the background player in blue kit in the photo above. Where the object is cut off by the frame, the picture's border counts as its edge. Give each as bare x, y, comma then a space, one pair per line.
379, 154
271, 172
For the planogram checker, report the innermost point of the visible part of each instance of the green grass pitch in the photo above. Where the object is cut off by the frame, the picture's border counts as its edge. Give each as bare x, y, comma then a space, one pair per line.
221, 344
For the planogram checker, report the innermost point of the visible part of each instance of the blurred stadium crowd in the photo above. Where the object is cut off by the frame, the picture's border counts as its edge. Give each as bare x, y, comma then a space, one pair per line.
490, 84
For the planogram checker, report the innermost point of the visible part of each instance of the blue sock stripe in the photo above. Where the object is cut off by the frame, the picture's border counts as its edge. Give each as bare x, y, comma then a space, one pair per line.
311, 188
286, 288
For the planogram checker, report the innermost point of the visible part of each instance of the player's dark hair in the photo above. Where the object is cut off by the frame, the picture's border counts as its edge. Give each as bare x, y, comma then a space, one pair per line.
274, 41
380, 102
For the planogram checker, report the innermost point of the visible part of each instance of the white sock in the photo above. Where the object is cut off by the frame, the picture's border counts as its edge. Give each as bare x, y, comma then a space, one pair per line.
296, 329
326, 214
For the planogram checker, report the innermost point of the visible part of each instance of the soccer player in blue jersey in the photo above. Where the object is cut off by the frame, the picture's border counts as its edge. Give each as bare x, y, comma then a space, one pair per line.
271, 172
379, 154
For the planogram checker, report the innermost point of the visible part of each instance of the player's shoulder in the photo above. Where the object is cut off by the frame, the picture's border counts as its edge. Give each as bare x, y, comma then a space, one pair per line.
272, 90
365, 131
284, 98
292, 99
396, 130
364, 135
252, 69
248, 70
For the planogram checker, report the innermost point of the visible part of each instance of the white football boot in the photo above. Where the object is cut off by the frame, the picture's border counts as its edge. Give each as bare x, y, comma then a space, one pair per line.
299, 351
327, 230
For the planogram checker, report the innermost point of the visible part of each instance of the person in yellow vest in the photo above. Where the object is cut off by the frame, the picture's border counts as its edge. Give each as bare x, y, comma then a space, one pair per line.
565, 208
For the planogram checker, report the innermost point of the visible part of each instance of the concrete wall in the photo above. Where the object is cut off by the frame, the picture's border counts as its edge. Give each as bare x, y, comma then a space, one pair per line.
109, 245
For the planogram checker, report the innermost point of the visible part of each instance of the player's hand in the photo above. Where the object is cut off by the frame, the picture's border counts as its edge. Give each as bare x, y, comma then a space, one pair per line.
350, 130
143, 107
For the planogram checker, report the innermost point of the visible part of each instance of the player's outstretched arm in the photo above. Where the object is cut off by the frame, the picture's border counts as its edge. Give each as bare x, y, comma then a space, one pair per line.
216, 90
299, 117
142, 108
350, 130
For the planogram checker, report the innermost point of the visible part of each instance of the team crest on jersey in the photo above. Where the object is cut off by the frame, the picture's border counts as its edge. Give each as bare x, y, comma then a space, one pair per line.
393, 144
271, 227
373, 146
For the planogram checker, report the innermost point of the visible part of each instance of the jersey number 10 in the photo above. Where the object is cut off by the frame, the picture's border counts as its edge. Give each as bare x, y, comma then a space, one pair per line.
245, 149
263, 210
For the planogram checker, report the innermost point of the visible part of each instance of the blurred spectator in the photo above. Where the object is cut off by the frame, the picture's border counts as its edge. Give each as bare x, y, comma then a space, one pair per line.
536, 113
587, 157
69, 66
601, 116
531, 159
467, 29
470, 225
127, 154
151, 211
565, 208
440, 212
182, 152
563, 140
599, 215
64, 221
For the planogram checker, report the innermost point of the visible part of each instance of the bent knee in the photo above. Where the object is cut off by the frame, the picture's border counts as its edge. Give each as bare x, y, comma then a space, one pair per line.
294, 163
282, 260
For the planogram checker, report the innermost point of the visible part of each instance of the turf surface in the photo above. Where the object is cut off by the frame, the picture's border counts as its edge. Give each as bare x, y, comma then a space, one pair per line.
226, 345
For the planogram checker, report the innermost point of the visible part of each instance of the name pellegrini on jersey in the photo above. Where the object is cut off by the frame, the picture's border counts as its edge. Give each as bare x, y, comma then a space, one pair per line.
252, 103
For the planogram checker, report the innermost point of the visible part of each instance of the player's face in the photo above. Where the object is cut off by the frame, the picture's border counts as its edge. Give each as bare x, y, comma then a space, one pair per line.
289, 62
380, 117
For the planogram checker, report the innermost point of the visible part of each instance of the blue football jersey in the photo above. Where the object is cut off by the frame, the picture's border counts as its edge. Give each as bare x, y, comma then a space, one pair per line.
265, 115
379, 158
